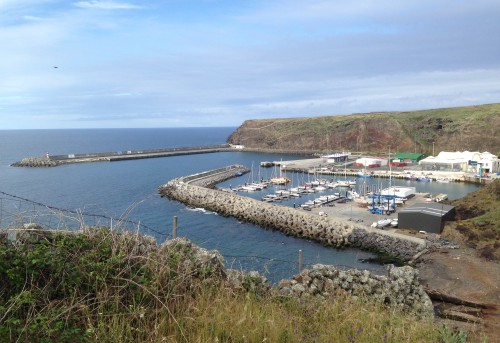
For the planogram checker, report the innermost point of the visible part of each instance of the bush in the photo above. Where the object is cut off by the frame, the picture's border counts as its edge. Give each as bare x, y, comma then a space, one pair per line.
462, 229
101, 286
488, 253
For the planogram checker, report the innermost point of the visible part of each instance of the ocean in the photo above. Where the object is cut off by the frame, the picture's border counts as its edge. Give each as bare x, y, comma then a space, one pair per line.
128, 190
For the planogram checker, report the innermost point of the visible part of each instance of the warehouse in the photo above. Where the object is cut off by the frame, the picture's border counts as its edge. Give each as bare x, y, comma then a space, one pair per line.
408, 157
429, 217
371, 162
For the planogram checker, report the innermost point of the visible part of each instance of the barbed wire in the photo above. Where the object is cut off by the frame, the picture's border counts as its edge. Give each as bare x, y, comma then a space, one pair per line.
20, 216
80, 213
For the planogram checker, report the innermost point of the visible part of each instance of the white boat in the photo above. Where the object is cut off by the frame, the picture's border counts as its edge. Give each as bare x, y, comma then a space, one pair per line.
394, 223
332, 185
424, 179
280, 180
345, 183
362, 200
399, 191
384, 222
324, 198
440, 197
443, 180
269, 197
320, 188
248, 188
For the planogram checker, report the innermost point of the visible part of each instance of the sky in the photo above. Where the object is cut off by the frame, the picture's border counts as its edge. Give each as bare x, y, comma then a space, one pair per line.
201, 63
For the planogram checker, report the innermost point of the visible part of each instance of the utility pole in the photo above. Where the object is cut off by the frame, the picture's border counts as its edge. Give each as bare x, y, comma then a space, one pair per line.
433, 148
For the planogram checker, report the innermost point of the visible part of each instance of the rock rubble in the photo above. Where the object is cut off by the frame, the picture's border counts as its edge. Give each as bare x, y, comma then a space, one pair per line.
399, 289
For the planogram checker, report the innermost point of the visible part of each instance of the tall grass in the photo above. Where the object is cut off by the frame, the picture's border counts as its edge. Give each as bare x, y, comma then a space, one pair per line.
103, 286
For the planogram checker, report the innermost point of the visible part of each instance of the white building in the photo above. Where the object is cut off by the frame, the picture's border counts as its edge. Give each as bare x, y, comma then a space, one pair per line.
462, 161
399, 191
371, 161
337, 157
489, 163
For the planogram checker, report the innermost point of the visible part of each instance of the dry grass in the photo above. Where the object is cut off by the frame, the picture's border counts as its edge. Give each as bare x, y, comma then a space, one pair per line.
102, 286
477, 218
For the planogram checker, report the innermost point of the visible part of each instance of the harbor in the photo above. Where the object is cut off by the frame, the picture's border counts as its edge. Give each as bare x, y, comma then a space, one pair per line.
328, 230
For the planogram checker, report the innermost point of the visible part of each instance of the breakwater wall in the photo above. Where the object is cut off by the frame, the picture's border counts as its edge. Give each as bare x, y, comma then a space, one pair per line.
112, 156
290, 221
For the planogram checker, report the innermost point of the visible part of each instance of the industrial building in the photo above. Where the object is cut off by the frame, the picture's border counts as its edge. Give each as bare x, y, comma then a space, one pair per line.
371, 162
337, 157
408, 157
429, 217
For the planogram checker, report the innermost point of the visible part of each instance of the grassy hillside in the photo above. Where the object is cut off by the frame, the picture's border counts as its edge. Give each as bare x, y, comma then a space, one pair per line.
470, 128
103, 286
477, 220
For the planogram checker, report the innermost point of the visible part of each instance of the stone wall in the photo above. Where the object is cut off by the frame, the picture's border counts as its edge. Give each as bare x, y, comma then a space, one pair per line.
399, 289
290, 221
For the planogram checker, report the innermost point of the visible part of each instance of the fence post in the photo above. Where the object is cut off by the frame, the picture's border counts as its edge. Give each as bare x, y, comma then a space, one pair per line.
300, 261
174, 230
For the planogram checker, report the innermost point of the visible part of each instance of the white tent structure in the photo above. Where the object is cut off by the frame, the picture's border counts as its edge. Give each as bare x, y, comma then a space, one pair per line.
460, 161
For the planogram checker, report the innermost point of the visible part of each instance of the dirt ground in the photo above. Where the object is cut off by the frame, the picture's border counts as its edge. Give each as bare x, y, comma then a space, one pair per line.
460, 273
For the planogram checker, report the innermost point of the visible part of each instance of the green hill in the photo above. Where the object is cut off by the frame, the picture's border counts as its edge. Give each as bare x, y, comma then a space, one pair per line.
473, 128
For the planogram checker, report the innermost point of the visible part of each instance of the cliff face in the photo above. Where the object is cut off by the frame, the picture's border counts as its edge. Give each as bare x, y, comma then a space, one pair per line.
473, 128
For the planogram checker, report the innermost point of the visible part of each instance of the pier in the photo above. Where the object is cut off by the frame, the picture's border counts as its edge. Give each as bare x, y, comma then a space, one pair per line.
113, 156
336, 232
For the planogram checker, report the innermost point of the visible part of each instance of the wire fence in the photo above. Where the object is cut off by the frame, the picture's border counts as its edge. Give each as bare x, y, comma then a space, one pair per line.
16, 212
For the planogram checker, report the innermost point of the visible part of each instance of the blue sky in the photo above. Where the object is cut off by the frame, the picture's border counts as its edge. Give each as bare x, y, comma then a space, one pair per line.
169, 63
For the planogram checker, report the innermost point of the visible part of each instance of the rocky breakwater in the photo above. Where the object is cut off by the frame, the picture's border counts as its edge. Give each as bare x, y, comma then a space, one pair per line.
399, 289
34, 162
290, 221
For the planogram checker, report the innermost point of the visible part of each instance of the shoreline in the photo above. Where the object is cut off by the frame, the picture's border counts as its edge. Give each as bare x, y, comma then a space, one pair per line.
310, 166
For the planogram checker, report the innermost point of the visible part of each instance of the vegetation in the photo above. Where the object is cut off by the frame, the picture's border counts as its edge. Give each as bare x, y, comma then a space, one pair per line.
461, 128
102, 286
476, 220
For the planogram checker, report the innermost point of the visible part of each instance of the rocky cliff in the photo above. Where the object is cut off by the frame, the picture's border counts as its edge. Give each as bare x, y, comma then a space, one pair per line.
473, 128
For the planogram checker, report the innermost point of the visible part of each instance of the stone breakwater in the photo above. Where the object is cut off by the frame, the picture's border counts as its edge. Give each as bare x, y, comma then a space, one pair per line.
191, 190
35, 162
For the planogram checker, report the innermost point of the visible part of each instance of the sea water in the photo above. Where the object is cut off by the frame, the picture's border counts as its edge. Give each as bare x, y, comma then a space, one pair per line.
129, 190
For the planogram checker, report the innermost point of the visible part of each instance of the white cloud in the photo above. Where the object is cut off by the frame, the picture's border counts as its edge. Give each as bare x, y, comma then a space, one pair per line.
178, 65
106, 5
